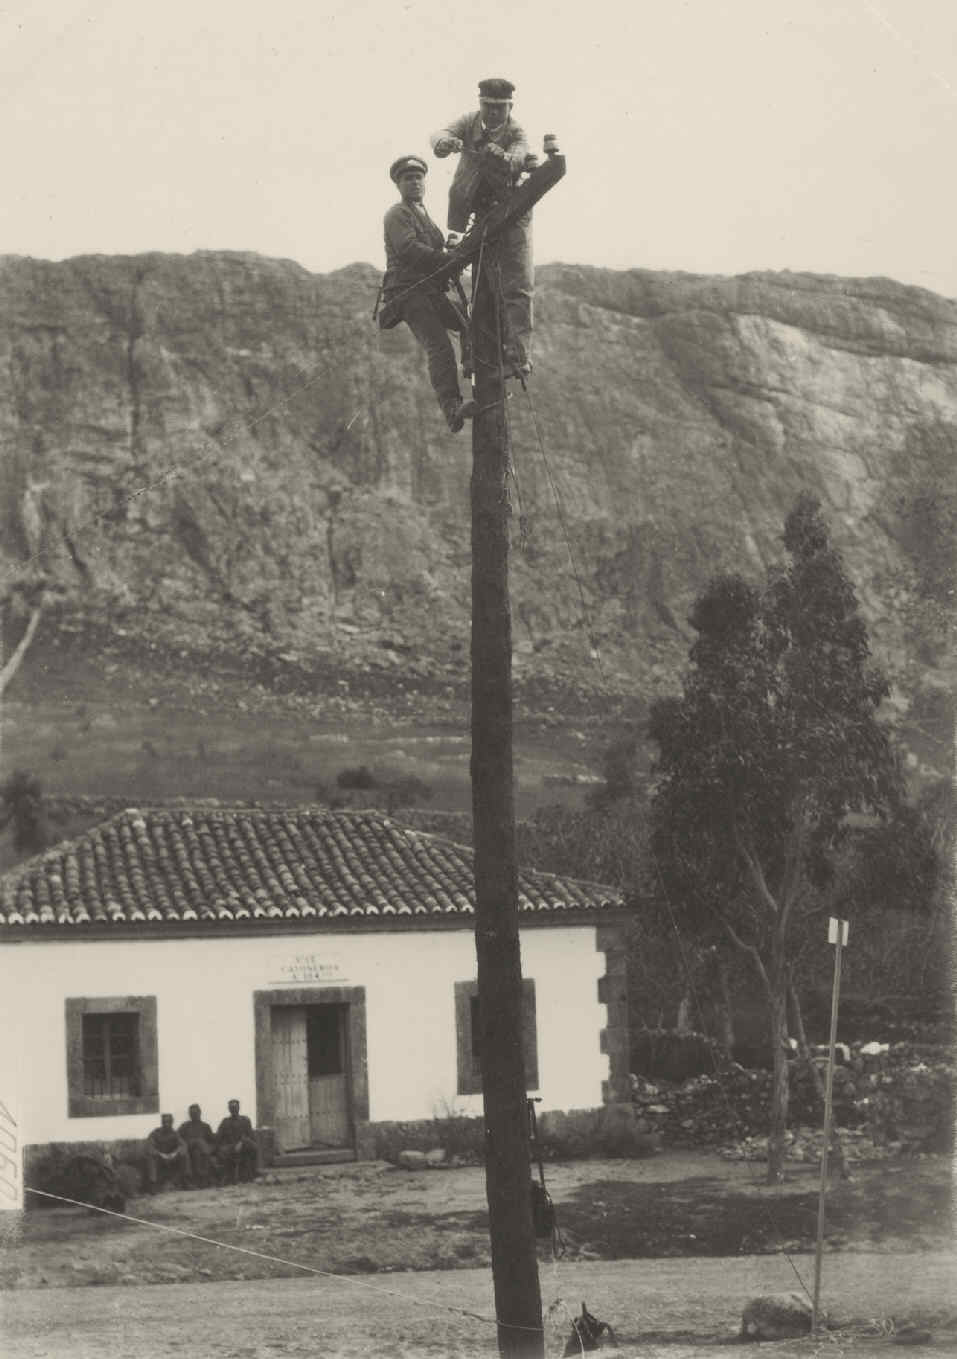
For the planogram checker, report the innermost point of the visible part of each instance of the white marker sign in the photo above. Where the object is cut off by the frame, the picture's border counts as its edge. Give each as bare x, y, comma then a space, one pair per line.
832, 925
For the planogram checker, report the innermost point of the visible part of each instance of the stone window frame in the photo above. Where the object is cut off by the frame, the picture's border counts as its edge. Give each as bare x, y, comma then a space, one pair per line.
79, 1103
468, 1067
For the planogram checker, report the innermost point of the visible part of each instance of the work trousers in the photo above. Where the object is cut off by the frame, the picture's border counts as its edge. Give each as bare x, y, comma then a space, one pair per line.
158, 1168
430, 316
200, 1161
517, 275
240, 1159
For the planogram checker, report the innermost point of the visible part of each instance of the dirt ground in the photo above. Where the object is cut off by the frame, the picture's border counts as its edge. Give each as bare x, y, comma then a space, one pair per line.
371, 1218
890, 1234
661, 1309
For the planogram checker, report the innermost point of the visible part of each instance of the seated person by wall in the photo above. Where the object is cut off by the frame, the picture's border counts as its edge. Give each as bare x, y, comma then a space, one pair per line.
236, 1145
167, 1161
200, 1141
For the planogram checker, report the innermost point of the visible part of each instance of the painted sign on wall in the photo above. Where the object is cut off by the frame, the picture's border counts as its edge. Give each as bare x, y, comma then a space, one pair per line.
322, 968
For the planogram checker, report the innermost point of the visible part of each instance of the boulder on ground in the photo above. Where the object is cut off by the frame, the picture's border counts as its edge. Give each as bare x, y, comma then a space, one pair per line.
436, 1157
776, 1316
912, 1335
413, 1160
619, 1133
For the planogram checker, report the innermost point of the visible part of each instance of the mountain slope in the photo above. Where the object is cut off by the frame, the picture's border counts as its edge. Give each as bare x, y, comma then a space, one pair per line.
222, 450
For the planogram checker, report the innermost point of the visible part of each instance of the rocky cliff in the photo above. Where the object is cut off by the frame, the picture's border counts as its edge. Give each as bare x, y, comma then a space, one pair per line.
221, 450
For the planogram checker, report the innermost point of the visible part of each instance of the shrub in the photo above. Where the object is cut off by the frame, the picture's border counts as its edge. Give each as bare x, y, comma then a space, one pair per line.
670, 1055
357, 778
460, 1136
86, 1177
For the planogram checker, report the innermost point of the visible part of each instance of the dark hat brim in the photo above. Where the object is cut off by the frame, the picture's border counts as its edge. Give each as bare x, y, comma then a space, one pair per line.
496, 90
404, 164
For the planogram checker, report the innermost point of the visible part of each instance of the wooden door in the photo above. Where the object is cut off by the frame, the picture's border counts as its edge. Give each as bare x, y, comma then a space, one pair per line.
327, 1030
291, 1075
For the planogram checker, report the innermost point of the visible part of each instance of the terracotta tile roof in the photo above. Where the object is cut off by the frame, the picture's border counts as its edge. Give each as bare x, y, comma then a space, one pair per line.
226, 864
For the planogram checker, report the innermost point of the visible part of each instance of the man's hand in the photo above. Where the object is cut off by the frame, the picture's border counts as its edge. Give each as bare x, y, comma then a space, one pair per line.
493, 149
446, 145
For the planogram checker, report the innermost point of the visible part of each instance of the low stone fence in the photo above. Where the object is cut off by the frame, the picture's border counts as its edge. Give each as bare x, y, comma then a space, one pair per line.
100, 1173
886, 1097
611, 1130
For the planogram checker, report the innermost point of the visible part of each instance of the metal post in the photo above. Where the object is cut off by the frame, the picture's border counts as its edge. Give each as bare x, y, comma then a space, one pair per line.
837, 932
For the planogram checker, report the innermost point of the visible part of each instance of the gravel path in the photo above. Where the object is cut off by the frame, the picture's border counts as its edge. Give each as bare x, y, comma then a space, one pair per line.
657, 1306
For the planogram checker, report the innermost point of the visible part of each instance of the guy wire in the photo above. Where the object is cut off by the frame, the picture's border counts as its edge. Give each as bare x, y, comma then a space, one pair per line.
434, 1304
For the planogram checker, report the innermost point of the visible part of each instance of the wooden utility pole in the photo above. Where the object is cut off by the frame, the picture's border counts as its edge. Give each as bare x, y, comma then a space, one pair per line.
518, 1302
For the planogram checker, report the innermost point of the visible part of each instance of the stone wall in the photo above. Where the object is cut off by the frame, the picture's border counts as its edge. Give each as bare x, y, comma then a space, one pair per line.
897, 1098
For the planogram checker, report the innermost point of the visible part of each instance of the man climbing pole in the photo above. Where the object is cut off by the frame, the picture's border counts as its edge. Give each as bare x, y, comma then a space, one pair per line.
414, 249
493, 152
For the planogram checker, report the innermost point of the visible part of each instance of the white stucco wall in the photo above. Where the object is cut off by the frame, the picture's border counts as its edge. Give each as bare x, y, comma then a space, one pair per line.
204, 992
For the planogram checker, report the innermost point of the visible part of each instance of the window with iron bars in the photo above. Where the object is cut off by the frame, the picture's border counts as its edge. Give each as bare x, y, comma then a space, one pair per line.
111, 1054
112, 1057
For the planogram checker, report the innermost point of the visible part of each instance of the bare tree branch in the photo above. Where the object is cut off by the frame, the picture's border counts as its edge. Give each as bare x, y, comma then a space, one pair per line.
757, 874
794, 862
745, 948
20, 650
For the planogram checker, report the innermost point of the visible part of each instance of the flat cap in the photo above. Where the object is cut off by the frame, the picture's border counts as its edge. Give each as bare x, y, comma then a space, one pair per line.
399, 167
496, 90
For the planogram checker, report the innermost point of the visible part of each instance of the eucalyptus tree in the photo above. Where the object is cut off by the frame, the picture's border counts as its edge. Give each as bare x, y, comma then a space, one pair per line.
773, 744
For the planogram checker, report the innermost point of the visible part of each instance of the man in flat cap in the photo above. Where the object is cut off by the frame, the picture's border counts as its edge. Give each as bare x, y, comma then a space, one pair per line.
492, 150
415, 248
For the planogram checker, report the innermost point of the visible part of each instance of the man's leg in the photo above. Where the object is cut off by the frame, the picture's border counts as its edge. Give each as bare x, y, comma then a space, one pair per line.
518, 284
248, 1160
199, 1163
459, 210
457, 319
179, 1168
150, 1160
425, 319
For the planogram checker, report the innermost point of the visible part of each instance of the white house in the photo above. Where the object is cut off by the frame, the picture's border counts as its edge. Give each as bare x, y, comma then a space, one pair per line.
318, 966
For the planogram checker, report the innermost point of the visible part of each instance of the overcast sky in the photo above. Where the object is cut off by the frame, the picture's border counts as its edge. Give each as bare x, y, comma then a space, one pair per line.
715, 136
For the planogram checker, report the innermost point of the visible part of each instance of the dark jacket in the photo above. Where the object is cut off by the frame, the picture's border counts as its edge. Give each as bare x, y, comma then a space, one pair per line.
166, 1140
235, 1129
413, 248
196, 1132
